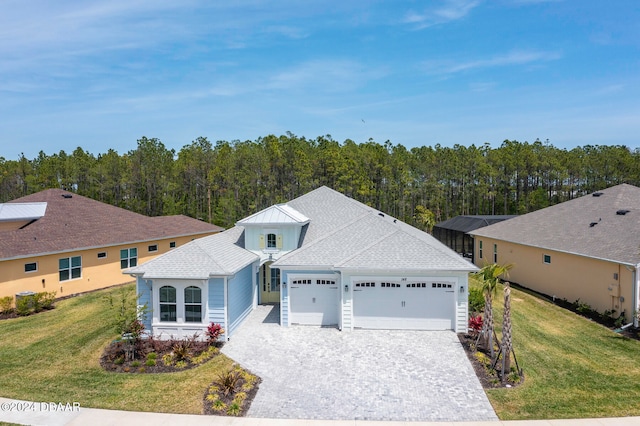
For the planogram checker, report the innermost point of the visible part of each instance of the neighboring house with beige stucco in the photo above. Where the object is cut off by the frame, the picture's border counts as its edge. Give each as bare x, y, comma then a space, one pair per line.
587, 248
58, 241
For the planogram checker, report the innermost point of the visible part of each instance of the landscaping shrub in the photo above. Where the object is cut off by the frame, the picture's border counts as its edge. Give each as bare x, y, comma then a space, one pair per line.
476, 300
6, 305
231, 393
475, 325
213, 332
24, 305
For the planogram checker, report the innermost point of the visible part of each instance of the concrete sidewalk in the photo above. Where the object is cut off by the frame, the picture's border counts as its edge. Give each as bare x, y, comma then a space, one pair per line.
29, 413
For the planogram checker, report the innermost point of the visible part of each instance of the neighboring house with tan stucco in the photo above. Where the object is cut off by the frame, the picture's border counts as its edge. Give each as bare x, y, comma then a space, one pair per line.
55, 240
587, 248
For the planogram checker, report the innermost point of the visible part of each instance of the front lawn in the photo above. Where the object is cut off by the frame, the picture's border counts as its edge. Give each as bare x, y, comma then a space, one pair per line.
55, 356
573, 367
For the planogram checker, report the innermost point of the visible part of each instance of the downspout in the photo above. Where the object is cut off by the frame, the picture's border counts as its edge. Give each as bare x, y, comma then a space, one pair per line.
636, 296
226, 309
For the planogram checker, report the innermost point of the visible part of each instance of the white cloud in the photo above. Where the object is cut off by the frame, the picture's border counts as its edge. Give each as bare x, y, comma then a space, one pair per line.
451, 10
516, 57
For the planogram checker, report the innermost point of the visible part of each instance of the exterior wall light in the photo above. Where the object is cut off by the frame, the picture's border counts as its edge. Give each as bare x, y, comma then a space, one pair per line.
346, 288
461, 289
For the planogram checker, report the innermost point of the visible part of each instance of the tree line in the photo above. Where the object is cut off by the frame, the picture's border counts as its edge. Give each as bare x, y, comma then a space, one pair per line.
225, 181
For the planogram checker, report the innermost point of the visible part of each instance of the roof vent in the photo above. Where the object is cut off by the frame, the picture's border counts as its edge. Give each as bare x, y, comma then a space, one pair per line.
597, 194
622, 212
381, 214
592, 224
67, 196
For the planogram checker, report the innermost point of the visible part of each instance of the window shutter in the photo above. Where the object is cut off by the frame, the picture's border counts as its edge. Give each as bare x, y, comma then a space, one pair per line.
261, 244
279, 241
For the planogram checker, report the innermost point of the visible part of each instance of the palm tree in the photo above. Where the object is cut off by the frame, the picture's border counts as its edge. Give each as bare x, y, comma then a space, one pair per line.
489, 275
507, 344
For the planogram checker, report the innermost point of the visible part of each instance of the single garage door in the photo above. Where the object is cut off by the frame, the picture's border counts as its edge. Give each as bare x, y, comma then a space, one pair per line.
407, 305
314, 301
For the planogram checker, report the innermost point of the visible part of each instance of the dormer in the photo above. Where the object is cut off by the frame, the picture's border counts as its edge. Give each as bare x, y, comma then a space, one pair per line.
273, 231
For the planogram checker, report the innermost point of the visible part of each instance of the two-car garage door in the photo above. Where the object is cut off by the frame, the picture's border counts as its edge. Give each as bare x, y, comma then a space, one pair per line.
378, 303
404, 305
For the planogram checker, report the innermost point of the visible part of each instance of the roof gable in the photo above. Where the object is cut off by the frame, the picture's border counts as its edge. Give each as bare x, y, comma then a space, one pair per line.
588, 226
279, 214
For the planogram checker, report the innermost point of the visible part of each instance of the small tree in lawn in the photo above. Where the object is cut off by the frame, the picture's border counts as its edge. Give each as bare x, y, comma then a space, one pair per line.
128, 317
489, 276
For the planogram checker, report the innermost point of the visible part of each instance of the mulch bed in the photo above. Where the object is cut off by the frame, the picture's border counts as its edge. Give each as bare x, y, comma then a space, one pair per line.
487, 380
157, 356
214, 393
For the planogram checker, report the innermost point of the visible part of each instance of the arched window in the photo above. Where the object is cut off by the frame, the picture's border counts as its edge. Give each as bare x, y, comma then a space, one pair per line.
168, 309
192, 304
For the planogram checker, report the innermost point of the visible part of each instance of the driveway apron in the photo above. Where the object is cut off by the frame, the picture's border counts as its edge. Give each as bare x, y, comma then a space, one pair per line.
323, 373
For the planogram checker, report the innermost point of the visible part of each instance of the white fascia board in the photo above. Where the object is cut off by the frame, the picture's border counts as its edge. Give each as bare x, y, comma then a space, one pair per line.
411, 272
304, 267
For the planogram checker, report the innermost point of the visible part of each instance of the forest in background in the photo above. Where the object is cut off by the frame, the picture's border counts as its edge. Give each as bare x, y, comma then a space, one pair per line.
223, 182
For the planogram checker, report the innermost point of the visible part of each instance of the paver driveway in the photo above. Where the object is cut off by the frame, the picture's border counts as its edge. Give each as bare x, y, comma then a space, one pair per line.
322, 373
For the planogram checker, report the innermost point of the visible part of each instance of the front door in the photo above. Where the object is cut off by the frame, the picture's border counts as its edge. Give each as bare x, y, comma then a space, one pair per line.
269, 284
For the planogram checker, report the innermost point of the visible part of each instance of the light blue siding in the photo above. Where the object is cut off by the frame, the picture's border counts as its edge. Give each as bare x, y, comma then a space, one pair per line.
145, 297
240, 297
284, 300
216, 301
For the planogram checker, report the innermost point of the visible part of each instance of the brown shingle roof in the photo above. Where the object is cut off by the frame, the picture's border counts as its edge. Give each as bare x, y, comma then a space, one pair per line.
80, 222
587, 226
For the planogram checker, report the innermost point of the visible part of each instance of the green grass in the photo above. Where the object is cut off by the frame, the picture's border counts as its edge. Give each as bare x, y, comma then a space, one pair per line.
54, 356
574, 368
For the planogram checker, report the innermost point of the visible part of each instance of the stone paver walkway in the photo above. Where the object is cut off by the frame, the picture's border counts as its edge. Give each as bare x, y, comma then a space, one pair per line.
322, 373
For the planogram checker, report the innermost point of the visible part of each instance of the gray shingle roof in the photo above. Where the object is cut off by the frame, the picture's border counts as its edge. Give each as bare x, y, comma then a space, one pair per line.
219, 254
342, 233
468, 223
566, 227
345, 233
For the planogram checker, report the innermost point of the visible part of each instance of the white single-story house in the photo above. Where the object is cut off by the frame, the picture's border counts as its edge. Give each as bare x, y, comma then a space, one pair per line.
326, 259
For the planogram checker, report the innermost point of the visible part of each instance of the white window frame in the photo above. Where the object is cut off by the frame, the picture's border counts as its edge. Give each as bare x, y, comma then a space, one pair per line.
70, 268
152, 248
268, 246
495, 253
180, 286
544, 259
129, 258
31, 271
104, 253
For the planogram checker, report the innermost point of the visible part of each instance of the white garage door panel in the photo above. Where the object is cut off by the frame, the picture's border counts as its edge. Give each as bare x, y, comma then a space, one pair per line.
314, 301
407, 306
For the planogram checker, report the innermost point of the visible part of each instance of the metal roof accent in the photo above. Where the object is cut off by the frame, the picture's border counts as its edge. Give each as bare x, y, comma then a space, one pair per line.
279, 214
13, 212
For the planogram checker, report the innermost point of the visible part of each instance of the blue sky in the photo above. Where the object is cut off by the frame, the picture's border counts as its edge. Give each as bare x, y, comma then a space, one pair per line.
102, 74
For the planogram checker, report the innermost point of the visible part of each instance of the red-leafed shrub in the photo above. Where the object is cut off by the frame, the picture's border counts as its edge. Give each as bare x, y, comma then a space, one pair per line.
213, 332
475, 324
